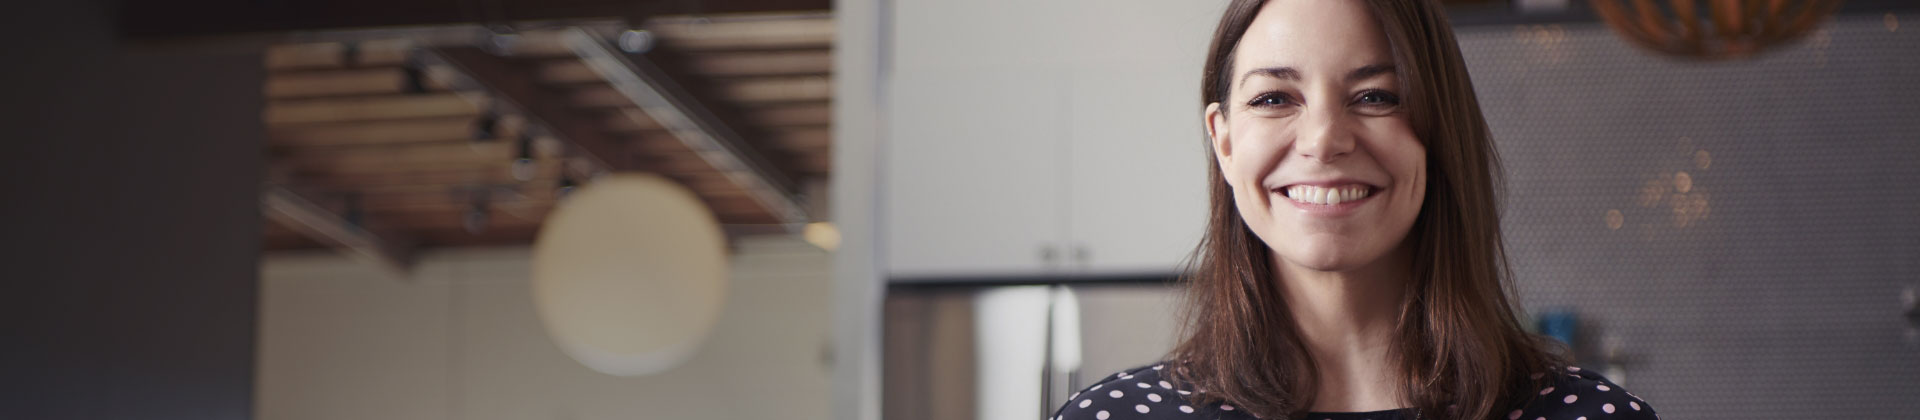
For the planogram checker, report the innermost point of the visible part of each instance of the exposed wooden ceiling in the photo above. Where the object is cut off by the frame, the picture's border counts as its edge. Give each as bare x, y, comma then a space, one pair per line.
194, 18
384, 135
375, 135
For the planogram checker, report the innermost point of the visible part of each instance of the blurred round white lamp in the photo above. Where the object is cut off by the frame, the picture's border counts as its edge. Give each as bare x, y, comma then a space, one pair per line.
629, 274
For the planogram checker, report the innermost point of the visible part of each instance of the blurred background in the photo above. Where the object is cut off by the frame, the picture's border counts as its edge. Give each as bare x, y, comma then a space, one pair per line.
877, 209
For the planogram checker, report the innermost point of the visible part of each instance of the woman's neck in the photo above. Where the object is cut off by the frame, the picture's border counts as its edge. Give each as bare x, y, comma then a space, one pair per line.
1347, 322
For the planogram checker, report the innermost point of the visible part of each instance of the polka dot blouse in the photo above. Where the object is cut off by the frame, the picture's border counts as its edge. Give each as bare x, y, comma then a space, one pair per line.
1142, 394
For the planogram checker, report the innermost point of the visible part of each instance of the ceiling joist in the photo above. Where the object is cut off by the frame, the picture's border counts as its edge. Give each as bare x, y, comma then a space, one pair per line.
420, 126
516, 89
202, 18
662, 101
296, 212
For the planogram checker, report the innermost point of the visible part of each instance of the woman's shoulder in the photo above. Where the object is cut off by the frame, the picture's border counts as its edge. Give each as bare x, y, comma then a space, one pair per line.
1145, 393
1139, 393
1582, 394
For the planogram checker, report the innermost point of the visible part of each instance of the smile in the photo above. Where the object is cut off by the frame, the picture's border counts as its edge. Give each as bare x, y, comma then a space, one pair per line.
1327, 196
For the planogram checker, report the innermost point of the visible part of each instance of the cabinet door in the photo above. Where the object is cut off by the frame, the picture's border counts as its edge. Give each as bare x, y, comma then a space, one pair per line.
1137, 188
972, 186
972, 180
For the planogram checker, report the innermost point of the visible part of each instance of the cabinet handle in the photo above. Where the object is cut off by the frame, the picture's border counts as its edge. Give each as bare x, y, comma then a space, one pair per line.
1081, 254
1047, 253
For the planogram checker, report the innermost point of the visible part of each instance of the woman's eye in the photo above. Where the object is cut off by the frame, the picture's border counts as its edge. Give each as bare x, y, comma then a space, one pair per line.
1270, 100
1378, 98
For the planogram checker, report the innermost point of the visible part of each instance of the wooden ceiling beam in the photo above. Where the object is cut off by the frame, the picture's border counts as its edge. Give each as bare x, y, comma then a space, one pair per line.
674, 110
499, 215
410, 178
370, 164
801, 150
801, 139
820, 163
497, 156
780, 89
817, 113
717, 44
509, 215
377, 80
408, 155
358, 81
334, 55
762, 63
598, 96
776, 116
770, 91
317, 52
625, 121
458, 128
384, 249
664, 101
772, 32
423, 181
393, 208
720, 65
383, 61
517, 88
199, 18
369, 108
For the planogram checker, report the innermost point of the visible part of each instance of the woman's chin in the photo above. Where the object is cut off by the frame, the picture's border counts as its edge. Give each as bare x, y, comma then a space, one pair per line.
1329, 262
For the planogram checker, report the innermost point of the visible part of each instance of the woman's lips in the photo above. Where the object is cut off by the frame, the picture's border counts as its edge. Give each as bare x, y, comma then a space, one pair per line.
1330, 195
1333, 200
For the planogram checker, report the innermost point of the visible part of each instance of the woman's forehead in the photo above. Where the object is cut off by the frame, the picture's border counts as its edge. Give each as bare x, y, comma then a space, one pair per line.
1317, 38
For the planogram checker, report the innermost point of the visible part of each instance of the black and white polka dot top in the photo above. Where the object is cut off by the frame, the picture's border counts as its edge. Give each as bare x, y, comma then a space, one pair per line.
1142, 394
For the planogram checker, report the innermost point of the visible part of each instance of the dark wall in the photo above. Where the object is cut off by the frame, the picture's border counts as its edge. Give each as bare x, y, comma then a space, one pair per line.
1770, 287
128, 278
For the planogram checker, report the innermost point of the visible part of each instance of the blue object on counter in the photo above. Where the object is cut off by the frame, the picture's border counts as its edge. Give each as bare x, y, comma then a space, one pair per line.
1562, 325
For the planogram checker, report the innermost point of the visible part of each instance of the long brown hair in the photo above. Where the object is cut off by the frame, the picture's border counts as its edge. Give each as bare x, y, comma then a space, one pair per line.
1459, 347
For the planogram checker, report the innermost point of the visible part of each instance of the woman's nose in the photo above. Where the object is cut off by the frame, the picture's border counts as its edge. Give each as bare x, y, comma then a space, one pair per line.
1324, 135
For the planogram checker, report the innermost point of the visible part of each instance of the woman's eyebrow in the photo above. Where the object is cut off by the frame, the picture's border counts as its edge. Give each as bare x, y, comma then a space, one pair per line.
1368, 71
1289, 73
1282, 73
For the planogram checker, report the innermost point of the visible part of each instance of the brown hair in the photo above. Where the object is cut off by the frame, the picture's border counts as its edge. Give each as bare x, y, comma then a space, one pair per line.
1459, 347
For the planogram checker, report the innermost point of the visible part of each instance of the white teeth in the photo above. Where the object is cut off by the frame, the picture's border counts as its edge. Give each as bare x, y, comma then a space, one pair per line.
1326, 196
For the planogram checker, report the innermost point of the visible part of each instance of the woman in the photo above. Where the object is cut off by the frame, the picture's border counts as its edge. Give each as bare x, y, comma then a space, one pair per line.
1352, 267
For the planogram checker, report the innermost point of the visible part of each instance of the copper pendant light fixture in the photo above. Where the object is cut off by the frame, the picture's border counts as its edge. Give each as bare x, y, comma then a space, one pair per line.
1728, 29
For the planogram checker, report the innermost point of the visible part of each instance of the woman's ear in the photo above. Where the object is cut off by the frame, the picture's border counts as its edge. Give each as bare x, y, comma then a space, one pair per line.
1218, 136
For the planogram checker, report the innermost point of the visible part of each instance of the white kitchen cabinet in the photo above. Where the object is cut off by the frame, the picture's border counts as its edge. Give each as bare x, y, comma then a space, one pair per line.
1137, 181
971, 184
1136, 190
1053, 139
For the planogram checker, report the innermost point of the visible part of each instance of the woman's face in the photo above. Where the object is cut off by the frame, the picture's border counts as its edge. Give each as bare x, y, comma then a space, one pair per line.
1323, 163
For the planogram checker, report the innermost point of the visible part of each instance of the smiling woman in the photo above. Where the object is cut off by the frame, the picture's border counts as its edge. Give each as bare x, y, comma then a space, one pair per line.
1352, 265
